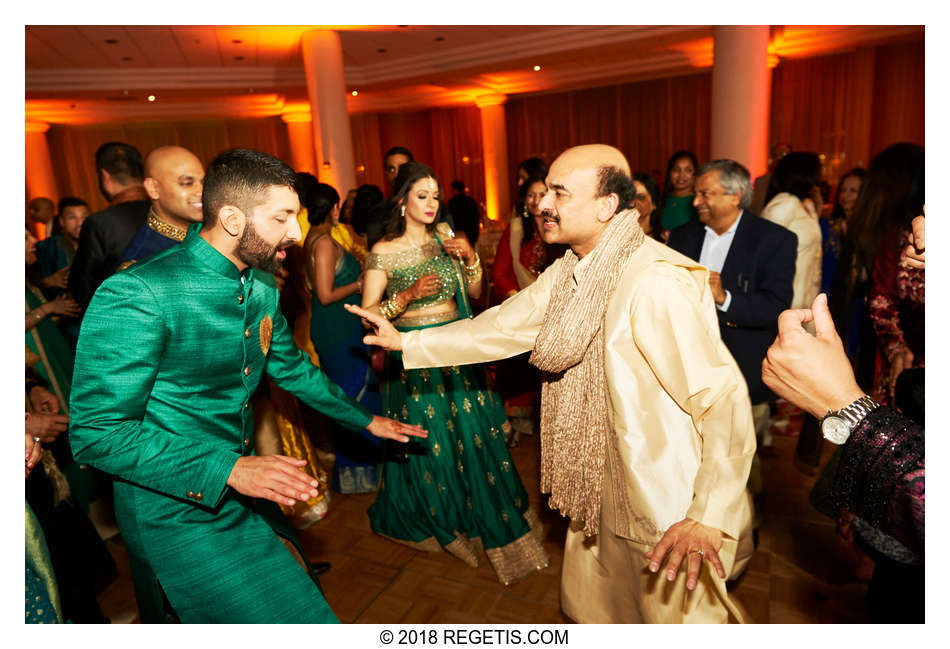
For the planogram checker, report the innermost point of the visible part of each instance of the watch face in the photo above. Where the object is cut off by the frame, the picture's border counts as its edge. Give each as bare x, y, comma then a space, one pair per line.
835, 429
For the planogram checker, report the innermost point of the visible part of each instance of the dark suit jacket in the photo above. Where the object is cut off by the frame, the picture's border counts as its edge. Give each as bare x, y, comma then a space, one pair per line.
465, 213
103, 237
758, 272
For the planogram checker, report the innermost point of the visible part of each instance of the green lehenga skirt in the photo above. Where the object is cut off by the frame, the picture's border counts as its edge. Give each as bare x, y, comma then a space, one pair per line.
458, 489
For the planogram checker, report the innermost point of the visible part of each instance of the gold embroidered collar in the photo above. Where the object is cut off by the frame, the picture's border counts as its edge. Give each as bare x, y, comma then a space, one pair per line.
165, 229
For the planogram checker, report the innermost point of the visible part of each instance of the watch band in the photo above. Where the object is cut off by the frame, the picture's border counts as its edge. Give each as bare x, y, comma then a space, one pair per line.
858, 410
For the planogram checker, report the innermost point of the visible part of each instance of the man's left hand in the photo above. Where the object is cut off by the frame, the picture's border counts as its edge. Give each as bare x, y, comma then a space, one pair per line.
692, 540
44, 401
392, 429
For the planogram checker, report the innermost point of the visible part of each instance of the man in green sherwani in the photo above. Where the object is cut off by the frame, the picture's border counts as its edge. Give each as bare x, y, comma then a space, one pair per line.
169, 355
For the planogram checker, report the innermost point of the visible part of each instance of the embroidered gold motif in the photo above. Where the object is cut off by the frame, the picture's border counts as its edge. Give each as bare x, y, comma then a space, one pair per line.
432, 511
436, 449
124, 265
518, 501
460, 467
506, 465
403, 375
467, 405
468, 502
445, 370
424, 373
455, 369
267, 330
478, 441
493, 432
441, 390
430, 411
415, 393
504, 516
440, 486
466, 383
449, 425
428, 477
481, 398
405, 413
454, 409
461, 447
491, 478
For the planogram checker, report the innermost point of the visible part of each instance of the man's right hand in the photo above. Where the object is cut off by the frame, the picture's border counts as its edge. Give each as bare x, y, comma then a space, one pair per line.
274, 477
386, 336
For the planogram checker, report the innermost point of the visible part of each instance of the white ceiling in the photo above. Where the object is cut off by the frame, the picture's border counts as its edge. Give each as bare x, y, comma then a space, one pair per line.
105, 72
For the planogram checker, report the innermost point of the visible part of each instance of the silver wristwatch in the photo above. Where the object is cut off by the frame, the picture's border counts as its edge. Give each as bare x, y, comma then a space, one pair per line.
837, 426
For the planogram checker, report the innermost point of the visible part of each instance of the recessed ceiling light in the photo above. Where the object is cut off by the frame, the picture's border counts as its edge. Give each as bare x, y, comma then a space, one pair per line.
537, 68
151, 97
126, 58
439, 39
238, 58
111, 41
381, 50
237, 41
355, 92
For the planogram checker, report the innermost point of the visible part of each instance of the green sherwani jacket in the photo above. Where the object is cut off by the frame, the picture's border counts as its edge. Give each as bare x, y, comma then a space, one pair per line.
169, 355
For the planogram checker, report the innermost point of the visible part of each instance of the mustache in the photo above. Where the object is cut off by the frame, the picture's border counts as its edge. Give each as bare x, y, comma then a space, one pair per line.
549, 214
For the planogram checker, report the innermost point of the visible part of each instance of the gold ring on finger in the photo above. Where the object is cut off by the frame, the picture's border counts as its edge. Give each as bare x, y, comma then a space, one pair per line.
699, 552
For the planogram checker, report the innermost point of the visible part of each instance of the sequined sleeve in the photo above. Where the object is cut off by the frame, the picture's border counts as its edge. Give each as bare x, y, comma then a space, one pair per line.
374, 262
880, 476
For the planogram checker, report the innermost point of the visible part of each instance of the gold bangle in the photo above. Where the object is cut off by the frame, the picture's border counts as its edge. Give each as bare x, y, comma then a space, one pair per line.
390, 308
474, 268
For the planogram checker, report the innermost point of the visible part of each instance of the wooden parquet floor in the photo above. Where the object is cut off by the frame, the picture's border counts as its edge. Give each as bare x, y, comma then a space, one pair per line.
795, 576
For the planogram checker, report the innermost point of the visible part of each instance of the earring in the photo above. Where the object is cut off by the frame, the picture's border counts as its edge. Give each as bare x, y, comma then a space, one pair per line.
525, 213
402, 211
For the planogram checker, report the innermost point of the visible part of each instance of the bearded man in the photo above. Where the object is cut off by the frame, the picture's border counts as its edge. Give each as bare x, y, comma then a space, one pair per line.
646, 430
170, 353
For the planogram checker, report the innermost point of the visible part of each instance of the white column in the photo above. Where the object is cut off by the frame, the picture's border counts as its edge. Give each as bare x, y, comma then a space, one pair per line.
332, 140
40, 180
495, 155
741, 87
300, 133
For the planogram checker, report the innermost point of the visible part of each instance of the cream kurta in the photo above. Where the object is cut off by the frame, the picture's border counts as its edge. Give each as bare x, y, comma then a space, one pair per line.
680, 407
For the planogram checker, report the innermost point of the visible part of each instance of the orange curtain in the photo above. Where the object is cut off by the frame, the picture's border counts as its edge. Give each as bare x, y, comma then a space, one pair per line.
647, 120
73, 148
847, 107
447, 139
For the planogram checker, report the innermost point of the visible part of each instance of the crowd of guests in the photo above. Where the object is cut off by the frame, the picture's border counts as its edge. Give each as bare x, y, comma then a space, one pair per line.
408, 252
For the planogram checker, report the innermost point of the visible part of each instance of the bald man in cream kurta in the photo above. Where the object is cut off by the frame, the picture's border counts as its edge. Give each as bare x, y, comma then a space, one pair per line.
681, 413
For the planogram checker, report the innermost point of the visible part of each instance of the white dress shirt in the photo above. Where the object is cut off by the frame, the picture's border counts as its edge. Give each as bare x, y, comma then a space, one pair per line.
713, 254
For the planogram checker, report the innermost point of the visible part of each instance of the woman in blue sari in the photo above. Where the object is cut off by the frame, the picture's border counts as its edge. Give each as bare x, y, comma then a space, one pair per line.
335, 278
458, 489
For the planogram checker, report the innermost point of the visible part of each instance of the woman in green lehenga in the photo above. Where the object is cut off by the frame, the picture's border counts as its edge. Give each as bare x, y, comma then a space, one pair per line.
458, 489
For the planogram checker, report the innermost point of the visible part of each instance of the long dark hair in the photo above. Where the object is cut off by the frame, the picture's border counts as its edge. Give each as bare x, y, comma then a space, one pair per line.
367, 197
395, 224
892, 195
667, 185
796, 173
520, 208
649, 183
837, 212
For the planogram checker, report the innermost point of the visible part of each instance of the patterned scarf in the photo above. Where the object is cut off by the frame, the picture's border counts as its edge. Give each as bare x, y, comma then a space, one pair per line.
575, 410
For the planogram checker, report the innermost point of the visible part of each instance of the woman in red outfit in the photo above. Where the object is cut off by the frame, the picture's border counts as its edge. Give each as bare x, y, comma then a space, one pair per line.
517, 380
